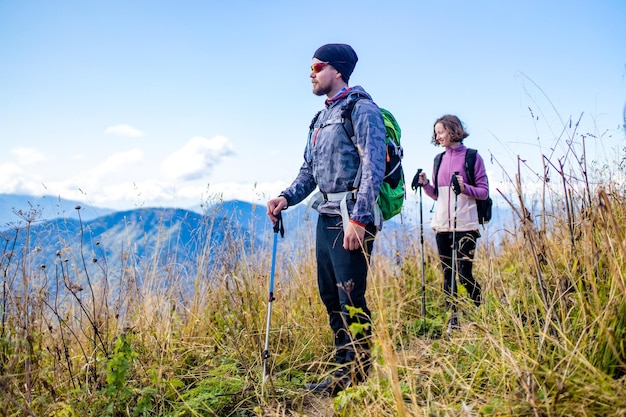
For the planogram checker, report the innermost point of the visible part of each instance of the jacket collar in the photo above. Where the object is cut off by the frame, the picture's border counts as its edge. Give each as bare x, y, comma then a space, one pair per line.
340, 94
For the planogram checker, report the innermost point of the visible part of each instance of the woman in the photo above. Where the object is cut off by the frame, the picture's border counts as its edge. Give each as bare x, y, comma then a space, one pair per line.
455, 219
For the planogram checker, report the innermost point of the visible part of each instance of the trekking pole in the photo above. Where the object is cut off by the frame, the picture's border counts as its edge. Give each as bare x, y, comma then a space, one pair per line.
457, 190
420, 186
278, 227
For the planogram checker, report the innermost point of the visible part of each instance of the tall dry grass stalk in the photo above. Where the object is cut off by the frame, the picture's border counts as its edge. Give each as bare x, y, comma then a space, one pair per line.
151, 339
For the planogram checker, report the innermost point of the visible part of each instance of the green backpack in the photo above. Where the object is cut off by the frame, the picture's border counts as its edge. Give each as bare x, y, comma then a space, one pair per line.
392, 191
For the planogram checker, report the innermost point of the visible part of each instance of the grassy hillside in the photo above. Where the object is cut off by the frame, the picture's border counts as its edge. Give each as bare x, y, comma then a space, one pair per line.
550, 338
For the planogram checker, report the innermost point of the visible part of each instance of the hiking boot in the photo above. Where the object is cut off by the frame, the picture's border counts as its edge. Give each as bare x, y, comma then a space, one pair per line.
330, 385
453, 323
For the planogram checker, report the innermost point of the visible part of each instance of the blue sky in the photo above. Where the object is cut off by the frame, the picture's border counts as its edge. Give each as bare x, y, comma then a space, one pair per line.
124, 104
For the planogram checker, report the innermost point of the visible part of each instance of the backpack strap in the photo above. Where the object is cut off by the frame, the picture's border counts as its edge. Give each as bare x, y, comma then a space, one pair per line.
317, 116
328, 122
346, 116
436, 166
346, 121
470, 162
483, 207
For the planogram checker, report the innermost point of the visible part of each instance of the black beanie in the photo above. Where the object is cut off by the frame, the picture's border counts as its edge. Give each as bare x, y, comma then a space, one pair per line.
340, 55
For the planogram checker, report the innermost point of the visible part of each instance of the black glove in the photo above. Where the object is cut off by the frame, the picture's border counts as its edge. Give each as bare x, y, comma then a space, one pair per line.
415, 184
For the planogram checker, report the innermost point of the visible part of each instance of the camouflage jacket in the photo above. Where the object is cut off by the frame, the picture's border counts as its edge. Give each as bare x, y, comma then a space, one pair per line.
331, 159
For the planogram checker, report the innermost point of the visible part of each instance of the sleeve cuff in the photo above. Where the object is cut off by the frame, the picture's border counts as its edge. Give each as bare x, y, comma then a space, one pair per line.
286, 198
357, 223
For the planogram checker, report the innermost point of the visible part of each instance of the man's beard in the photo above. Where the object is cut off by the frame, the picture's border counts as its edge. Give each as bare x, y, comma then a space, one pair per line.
320, 91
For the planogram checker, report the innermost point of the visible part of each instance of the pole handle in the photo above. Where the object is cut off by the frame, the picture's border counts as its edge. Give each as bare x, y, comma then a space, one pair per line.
278, 225
455, 183
415, 184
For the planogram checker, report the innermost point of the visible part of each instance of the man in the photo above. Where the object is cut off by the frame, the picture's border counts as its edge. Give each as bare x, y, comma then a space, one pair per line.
349, 173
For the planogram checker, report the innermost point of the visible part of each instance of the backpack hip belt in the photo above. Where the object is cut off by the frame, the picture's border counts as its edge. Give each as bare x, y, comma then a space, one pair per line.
342, 197
339, 196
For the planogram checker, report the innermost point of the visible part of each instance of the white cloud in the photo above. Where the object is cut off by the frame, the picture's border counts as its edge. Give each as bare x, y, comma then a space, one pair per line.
196, 159
12, 178
124, 180
28, 156
139, 193
114, 163
124, 130
257, 192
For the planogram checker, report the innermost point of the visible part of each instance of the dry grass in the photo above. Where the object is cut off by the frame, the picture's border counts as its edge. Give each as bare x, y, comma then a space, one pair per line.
548, 340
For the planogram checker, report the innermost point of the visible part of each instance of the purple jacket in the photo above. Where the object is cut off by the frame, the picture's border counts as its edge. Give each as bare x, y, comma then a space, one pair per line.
466, 214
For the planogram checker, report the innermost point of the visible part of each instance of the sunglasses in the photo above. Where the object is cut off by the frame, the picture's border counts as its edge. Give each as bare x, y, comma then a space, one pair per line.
316, 68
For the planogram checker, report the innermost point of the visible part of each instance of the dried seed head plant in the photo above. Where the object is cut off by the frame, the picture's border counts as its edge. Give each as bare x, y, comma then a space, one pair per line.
157, 334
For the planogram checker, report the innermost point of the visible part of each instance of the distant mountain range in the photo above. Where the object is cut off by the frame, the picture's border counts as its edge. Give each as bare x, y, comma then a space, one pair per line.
48, 230
16, 208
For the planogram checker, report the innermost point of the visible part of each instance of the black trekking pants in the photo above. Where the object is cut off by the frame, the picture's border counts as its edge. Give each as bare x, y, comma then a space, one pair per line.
465, 259
342, 281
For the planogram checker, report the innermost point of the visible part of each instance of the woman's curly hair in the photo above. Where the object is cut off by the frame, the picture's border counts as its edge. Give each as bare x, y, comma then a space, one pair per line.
453, 125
